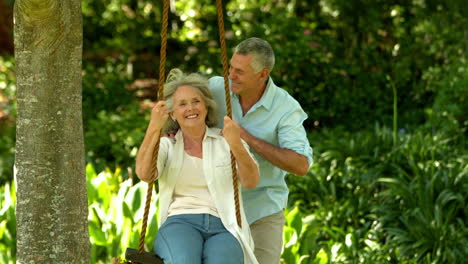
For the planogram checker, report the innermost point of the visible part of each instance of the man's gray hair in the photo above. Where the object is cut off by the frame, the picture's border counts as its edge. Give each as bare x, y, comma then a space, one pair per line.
263, 55
175, 79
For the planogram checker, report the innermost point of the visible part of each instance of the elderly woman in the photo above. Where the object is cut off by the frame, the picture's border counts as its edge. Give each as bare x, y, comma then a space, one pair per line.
196, 195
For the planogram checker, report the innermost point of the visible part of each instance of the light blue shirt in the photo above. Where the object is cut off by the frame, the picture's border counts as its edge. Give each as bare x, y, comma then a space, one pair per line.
277, 119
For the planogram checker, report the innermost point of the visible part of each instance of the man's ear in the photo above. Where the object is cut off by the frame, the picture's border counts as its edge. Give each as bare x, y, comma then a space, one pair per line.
264, 74
171, 114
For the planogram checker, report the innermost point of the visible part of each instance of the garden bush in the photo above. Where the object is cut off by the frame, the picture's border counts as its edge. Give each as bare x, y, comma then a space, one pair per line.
7, 118
115, 213
7, 223
370, 201
114, 122
423, 208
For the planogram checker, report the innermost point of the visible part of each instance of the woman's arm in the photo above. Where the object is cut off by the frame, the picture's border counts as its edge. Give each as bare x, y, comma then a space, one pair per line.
246, 167
144, 161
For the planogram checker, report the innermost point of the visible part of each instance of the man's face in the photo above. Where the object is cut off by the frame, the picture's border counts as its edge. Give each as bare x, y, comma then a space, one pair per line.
244, 80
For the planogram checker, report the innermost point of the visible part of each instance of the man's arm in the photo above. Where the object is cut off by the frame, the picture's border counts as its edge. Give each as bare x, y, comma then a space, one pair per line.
284, 159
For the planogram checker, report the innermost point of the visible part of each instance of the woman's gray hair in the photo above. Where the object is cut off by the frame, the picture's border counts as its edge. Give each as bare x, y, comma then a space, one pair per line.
263, 55
175, 79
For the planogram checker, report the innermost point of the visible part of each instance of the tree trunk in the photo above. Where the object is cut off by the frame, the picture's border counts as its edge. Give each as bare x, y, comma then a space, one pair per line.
50, 169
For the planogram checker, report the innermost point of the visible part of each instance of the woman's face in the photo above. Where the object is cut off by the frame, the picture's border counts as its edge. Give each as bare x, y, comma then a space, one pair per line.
189, 108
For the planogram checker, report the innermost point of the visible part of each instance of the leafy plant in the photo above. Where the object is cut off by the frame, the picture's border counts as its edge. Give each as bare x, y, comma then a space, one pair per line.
7, 118
371, 201
8, 223
115, 213
114, 123
423, 209
294, 232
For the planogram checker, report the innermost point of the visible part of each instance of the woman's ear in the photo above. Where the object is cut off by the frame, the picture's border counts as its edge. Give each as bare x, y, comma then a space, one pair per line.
171, 114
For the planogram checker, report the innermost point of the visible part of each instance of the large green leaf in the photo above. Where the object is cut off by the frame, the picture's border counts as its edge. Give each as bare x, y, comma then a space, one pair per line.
97, 235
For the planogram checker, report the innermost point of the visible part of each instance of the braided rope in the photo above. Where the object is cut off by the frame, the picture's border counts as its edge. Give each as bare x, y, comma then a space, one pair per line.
162, 63
160, 97
228, 105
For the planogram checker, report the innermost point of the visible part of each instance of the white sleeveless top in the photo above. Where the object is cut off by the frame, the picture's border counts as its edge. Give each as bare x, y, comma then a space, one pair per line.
191, 194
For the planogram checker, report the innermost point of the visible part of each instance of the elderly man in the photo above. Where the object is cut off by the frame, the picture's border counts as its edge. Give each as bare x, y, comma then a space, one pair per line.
272, 124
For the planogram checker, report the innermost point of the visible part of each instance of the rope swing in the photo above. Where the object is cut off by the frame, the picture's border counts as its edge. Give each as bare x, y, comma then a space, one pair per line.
140, 256
222, 41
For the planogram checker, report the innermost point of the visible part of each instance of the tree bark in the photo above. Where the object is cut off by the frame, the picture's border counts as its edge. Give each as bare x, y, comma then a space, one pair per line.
51, 205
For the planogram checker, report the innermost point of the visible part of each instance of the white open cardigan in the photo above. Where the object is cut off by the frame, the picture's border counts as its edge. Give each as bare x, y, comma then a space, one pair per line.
218, 174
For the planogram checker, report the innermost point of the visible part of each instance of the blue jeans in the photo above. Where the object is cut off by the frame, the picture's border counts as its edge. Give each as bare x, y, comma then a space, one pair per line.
196, 239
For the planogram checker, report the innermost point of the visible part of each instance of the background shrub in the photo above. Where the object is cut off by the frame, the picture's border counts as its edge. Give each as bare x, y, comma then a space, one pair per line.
7, 118
368, 200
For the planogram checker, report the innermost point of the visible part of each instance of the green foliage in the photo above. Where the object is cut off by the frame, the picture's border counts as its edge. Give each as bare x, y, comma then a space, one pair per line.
339, 193
449, 83
442, 40
7, 118
115, 23
114, 123
423, 207
7, 223
114, 222
130, 28
368, 200
115, 213
294, 232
